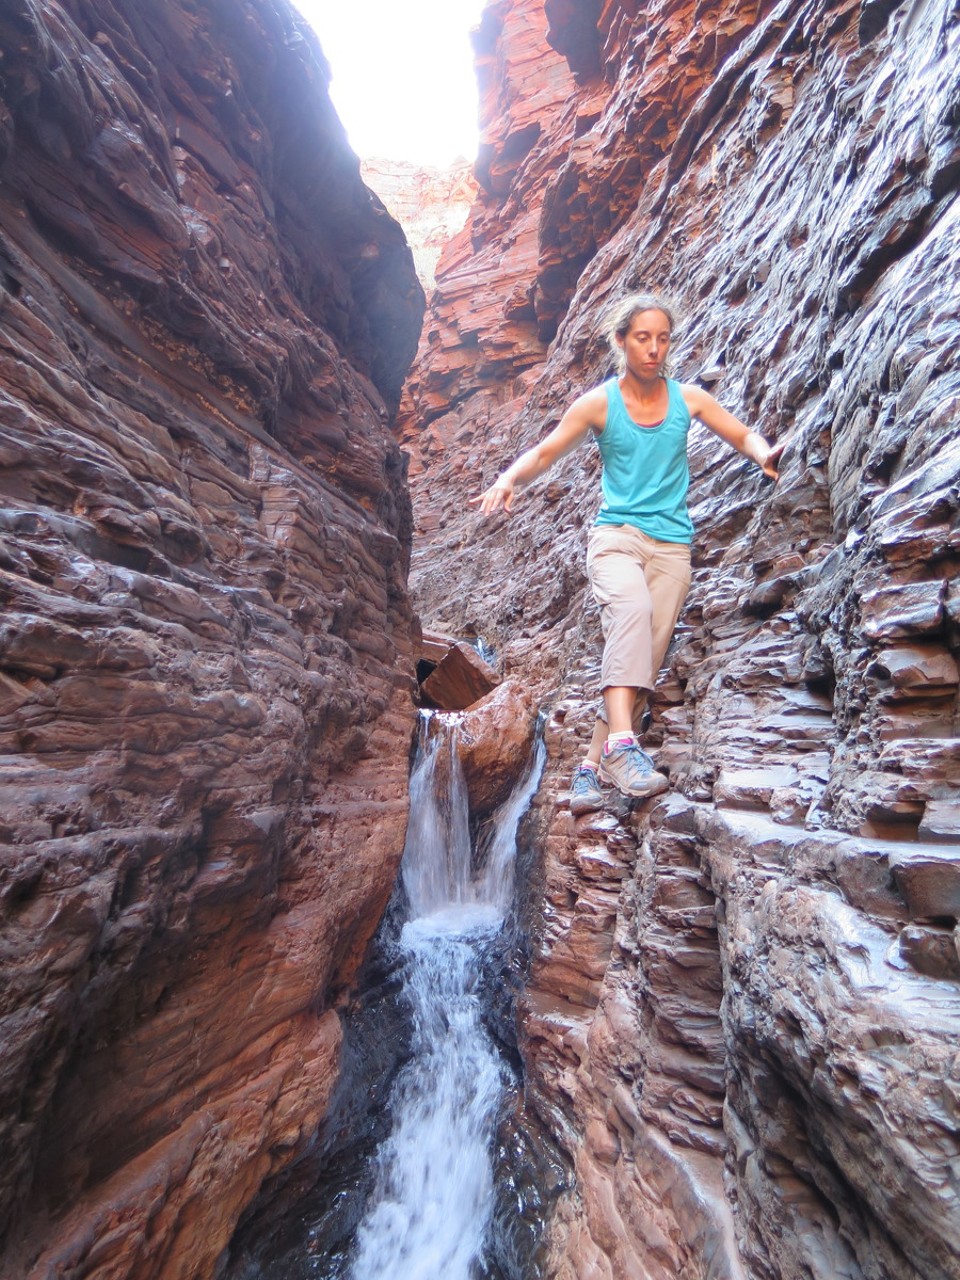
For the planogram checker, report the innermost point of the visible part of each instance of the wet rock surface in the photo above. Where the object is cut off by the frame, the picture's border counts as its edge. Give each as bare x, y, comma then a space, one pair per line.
303, 1223
206, 655
494, 744
741, 1017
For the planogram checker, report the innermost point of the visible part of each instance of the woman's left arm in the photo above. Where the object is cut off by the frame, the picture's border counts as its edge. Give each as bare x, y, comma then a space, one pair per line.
750, 443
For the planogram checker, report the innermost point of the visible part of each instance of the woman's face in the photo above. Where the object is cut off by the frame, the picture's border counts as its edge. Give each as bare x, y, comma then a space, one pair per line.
647, 342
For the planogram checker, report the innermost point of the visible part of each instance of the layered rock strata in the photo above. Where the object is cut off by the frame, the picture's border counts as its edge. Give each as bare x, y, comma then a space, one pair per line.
743, 999
431, 203
206, 653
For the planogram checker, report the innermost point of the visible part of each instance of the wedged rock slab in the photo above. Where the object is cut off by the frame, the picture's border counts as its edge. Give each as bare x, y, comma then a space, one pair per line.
460, 678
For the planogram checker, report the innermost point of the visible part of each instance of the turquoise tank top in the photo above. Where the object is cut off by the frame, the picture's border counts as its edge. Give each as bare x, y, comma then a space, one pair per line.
645, 471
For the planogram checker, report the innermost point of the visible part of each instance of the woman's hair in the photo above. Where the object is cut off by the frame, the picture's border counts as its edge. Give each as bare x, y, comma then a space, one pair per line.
622, 314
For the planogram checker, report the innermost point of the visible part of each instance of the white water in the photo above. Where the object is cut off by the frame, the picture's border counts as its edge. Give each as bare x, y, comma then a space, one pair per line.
433, 1198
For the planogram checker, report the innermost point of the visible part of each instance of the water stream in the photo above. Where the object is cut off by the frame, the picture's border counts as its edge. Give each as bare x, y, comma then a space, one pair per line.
428, 1166
433, 1196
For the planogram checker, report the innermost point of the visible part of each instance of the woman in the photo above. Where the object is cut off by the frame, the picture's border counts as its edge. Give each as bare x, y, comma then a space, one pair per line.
638, 557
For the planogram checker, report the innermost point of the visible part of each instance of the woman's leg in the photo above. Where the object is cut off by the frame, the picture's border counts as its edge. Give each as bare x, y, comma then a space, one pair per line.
600, 734
667, 574
615, 567
616, 572
665, 568
618, 703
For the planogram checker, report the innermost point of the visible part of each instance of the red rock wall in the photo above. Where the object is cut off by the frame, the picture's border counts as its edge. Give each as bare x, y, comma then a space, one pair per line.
431, 203
743, 1006
206, 658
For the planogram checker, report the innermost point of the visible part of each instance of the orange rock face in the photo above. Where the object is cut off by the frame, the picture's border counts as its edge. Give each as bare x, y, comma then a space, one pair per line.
479, 333
431, 203
494, 743
206, 656
740, 1021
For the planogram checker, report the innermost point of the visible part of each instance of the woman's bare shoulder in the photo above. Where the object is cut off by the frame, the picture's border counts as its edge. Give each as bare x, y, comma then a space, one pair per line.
695, 397
591, 407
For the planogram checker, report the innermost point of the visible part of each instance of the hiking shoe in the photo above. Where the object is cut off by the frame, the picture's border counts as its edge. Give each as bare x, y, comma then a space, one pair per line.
585, 793
631, 770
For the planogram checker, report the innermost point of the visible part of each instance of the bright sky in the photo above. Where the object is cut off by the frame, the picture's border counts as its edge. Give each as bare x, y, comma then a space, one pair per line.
403, 80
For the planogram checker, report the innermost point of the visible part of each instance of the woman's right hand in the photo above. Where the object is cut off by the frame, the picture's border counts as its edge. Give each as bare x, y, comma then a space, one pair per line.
586, 414
500, 495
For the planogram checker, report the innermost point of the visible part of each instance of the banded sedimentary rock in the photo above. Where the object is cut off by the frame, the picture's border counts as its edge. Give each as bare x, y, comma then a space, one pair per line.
743, 1005
206, 656
431, 203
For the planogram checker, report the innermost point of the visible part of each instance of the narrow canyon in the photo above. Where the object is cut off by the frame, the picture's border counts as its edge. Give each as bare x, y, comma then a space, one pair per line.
235, 497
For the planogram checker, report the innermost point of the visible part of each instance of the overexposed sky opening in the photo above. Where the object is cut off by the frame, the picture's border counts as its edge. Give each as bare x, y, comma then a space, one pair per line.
403, 80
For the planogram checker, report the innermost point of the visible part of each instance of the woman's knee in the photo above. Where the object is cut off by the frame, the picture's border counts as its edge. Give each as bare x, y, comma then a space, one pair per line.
628, 613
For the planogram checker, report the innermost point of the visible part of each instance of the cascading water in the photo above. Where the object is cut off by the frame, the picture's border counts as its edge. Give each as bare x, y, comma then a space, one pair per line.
450, 1178
433, 1197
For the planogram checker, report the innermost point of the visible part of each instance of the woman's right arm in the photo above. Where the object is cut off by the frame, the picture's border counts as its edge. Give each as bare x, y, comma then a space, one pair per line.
586, 414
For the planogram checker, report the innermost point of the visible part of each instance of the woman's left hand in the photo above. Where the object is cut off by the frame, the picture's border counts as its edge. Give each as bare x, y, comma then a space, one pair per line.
768, 464
498, 497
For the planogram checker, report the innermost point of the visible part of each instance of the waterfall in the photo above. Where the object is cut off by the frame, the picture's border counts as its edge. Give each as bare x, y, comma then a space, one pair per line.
433, 1196
436, 856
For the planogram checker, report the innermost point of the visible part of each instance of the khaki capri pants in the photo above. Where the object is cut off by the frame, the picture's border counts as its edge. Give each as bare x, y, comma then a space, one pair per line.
640, 585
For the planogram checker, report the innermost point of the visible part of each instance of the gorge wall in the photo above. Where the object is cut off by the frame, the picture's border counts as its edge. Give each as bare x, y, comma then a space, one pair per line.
431, 203
742, 1010
206, 648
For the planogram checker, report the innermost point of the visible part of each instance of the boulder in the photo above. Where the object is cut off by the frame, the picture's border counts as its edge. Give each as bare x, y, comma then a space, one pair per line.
460, 678
494, 743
